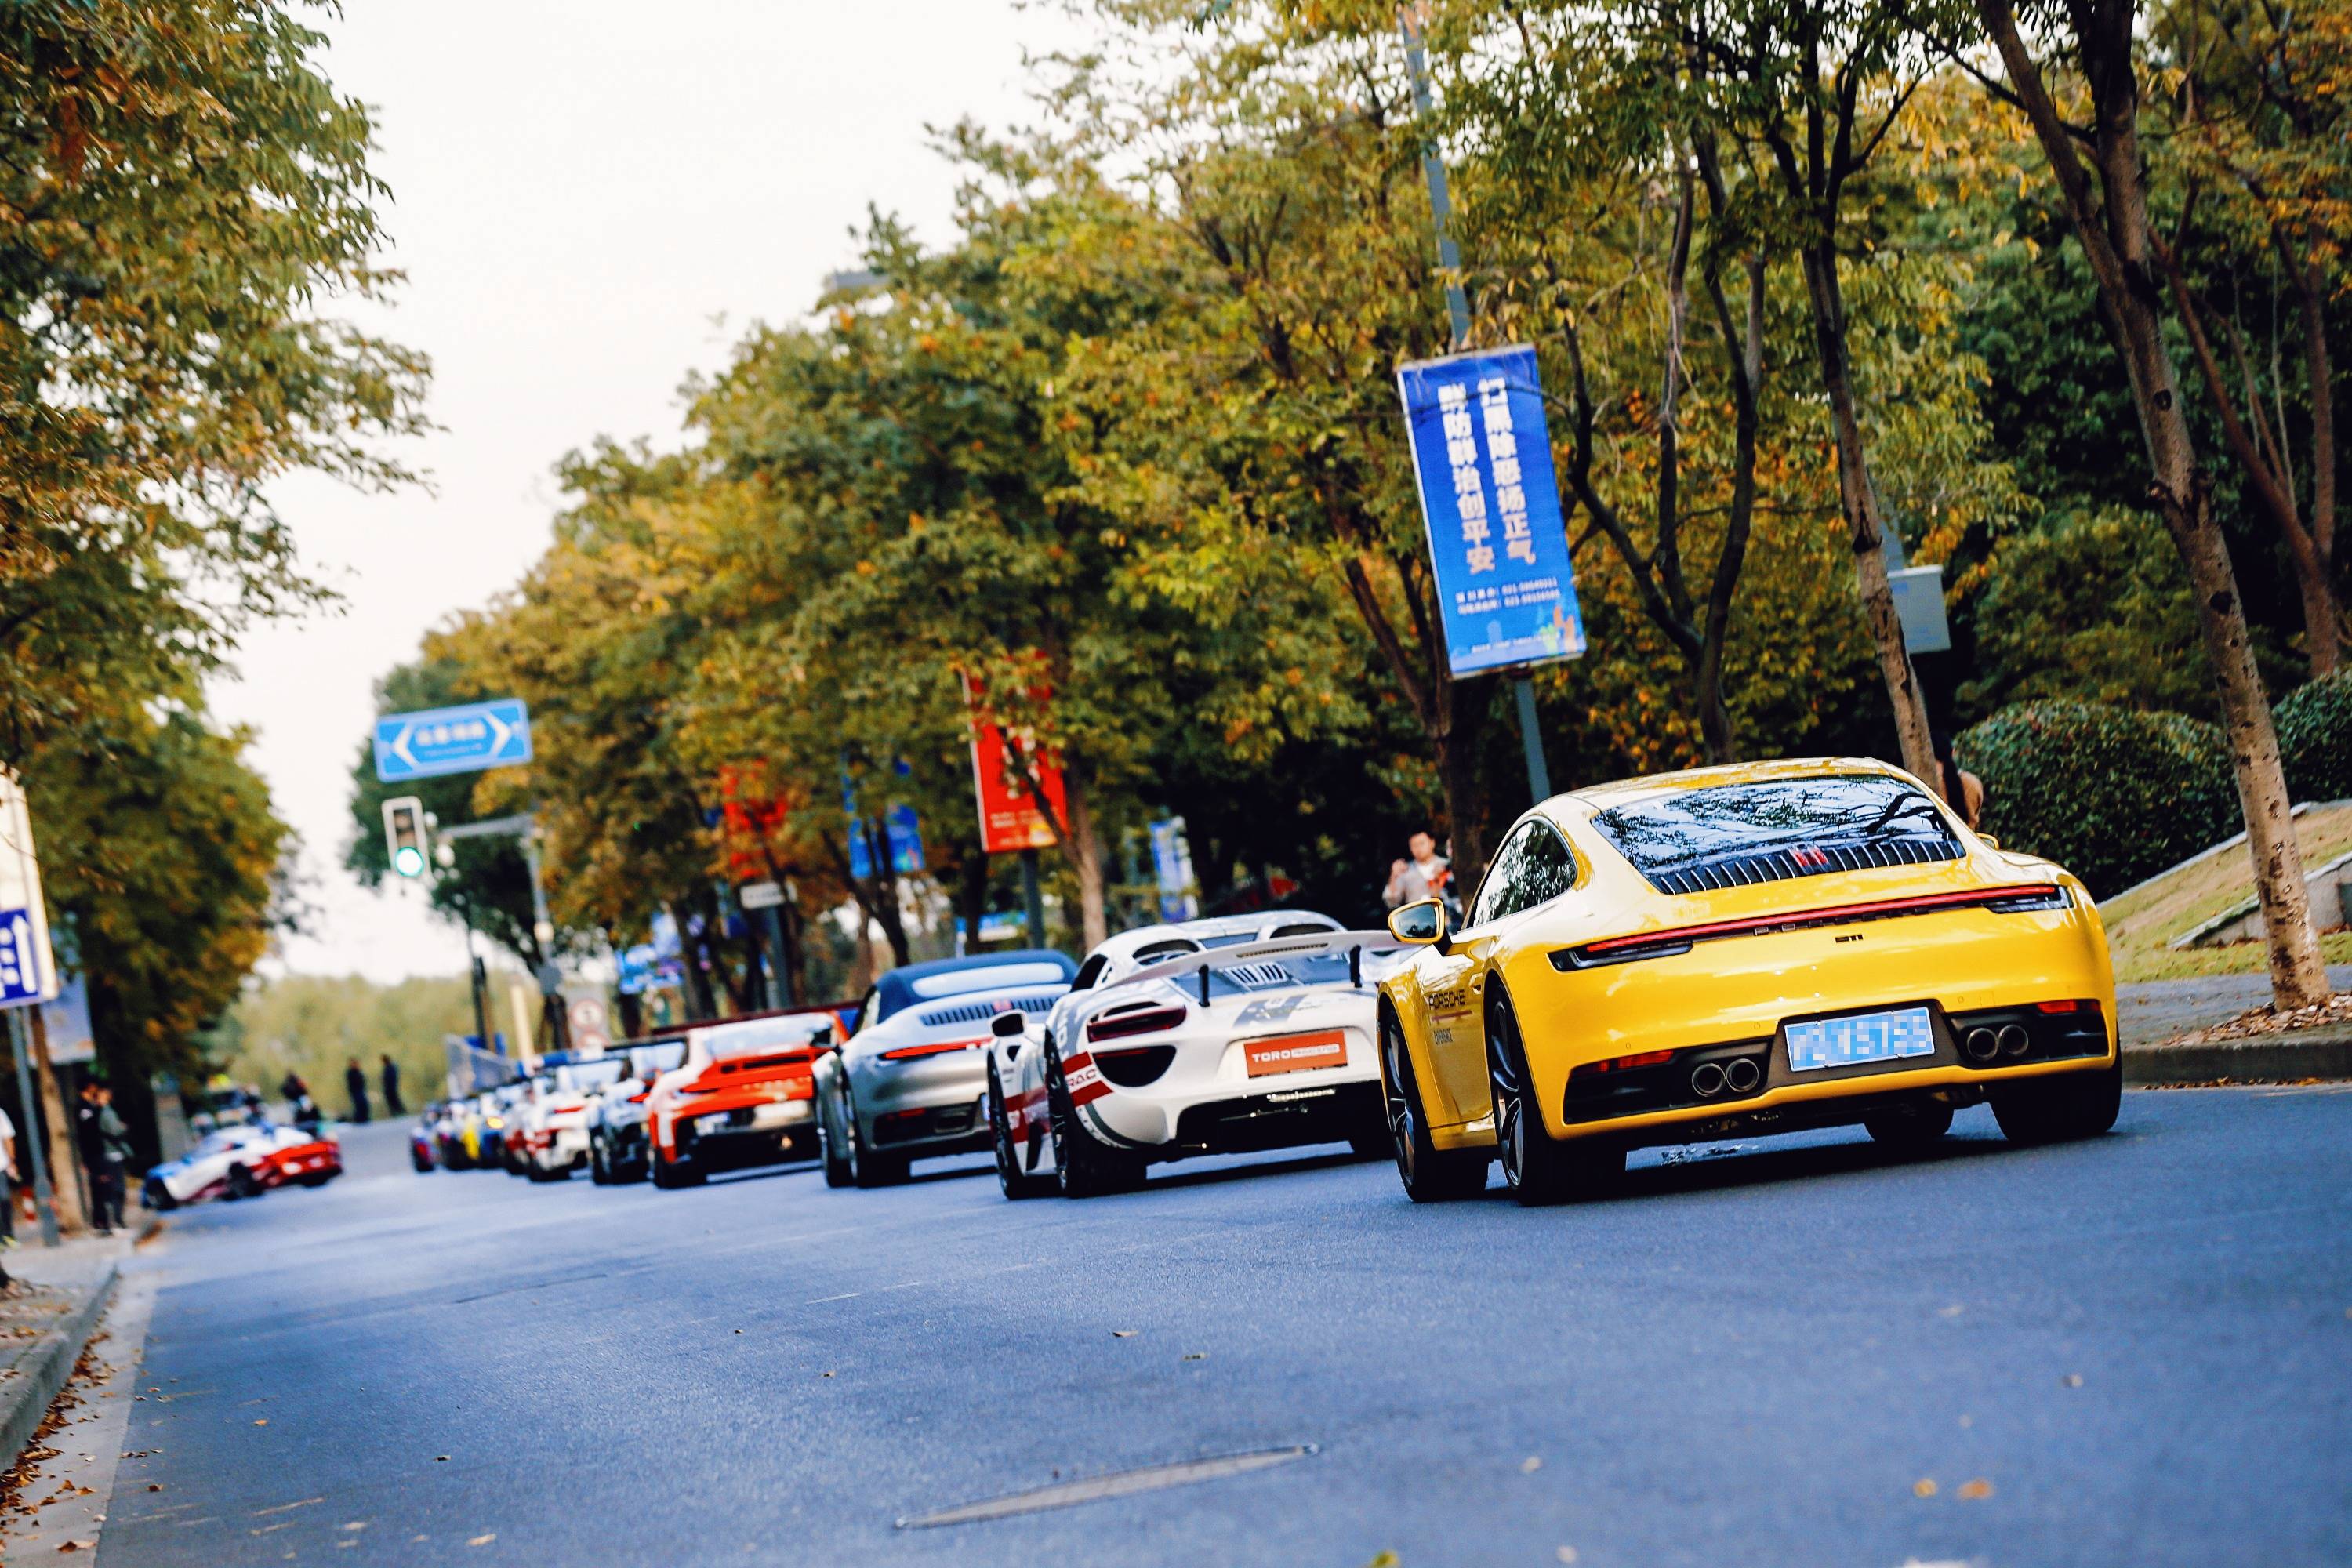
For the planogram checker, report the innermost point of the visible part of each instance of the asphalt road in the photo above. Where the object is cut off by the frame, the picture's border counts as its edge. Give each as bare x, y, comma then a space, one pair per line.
2133, 1350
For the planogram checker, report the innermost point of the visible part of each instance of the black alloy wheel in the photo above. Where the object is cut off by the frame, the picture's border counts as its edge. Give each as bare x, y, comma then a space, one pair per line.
1537, 1168
2060, 1108
1911, 1127
1015, 1182
1431, 1175
1082, 1167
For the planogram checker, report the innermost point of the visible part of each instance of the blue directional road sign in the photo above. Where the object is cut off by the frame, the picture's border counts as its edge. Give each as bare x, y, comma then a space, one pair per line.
24, 976
452, 740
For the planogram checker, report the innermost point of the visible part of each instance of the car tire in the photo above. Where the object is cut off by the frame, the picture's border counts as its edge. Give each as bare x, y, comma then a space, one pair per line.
600, 1174
1907, 1128
158, 1197
1083, 1166
670, 1175
242, 1183
422, 1163
1015, 1183
1539, 1169
1430, 1174
2061, 1109
839, 1171
866, 1168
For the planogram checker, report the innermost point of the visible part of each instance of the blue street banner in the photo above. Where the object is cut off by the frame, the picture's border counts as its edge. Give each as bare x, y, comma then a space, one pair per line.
902, 833
1171, 867
462, 740
28, 971
1498, 539
636, 966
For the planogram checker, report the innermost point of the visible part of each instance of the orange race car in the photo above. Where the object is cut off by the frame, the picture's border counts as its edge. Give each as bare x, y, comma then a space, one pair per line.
745, 1095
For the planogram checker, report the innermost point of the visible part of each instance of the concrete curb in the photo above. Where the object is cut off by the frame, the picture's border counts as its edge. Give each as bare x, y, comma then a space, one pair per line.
2275, 1059
42, 1371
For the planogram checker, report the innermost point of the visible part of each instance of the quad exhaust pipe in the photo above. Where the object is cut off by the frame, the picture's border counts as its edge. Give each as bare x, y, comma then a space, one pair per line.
2014, 1040
1740, 1075
1983, 1045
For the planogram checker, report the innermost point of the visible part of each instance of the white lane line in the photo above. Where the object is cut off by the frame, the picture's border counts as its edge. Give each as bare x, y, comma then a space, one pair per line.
1119, 1483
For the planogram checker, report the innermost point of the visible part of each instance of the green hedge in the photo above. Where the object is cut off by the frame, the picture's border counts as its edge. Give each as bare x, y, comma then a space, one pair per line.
2114, 795
2315, 732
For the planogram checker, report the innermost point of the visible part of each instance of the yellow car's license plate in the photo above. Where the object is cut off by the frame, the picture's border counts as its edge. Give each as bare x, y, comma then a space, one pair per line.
1861, 1038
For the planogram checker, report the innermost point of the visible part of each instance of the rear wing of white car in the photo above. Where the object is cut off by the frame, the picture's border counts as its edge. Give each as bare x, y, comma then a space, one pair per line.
1360, 946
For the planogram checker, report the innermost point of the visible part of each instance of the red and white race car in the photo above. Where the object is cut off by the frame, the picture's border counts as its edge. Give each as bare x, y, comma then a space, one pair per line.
1224, 1036
242, 1162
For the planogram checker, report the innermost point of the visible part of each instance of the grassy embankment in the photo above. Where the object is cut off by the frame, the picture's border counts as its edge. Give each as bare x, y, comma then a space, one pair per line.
2142, 924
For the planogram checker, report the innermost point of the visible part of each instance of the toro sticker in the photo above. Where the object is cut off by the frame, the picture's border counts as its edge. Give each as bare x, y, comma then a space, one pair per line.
1296, 1053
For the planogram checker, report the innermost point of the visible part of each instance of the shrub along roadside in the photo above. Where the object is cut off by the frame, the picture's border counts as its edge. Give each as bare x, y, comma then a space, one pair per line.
2114, 794
2315, 732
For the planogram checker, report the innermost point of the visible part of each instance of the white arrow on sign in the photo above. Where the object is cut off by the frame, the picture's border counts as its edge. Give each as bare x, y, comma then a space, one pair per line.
503, 729
400, 744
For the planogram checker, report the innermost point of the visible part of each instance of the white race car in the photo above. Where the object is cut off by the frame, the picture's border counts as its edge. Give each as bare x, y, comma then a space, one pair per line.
1224, 1036
554, 1120
243, 1161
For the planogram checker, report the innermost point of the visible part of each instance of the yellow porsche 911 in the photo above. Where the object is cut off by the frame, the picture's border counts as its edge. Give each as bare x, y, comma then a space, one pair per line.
1736, 951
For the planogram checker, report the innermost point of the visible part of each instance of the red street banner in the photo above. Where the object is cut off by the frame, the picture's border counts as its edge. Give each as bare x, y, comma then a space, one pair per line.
1010, 818
750, 816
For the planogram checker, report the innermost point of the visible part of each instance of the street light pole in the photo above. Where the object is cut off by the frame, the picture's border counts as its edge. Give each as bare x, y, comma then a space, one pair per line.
1457, 312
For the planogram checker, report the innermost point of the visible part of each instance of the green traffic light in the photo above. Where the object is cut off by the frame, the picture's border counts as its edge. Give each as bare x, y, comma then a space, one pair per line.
409, 860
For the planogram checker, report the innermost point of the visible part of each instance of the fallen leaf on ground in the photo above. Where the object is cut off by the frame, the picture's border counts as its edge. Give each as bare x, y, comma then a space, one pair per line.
1977, 1489
1129, 1334
1530, 1465
483, 1539
78, 1546
261, 1424
1567, 1554
1196, 1355
1923, 1487
2072, 1380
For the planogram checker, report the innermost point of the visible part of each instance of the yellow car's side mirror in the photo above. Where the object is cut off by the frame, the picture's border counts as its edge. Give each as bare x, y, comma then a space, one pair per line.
1421, 923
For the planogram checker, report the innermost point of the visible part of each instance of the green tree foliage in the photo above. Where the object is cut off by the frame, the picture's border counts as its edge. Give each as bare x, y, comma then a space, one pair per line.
179, 188
2112, 793
313, 1024
2314, 725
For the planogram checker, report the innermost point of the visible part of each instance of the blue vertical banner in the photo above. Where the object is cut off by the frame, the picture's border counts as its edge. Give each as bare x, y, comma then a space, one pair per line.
1498, 539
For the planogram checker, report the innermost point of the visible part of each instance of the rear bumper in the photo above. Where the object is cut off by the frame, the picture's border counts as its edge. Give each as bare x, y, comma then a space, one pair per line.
741, 1140
920, 1129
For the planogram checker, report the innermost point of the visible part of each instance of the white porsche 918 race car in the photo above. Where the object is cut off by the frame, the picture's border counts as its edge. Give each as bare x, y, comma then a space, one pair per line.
1226, 1035
242, 1162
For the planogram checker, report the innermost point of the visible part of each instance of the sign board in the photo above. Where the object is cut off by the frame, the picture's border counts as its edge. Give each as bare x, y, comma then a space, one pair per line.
1171, 866
1010, 817
590, 1020
66, 1020
760, 896
1000, 925
1498, 539
902, 841
28, 972
636, 964
462, 740
1919, 605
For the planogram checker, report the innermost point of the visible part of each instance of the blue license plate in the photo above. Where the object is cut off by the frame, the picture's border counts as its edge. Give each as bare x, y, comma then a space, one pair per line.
1864, 1038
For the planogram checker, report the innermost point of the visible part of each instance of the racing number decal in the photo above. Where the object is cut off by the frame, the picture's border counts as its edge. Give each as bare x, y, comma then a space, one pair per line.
1085, 1080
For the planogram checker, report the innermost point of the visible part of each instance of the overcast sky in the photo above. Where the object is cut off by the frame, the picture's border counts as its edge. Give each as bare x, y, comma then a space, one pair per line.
580, 191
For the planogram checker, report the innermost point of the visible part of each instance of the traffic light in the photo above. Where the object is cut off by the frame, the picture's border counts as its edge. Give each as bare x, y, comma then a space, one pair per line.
405, 831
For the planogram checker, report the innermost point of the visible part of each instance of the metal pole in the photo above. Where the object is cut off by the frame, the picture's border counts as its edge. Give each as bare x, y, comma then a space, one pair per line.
1538, 776
474, 977
44, 1200
1032, 896
1457, 312
542, 928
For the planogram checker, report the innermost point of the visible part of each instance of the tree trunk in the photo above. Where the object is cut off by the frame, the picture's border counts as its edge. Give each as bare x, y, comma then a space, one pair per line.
65, 1150
971, 895
2114, 237
1865, 524
1457, 774
1082, 847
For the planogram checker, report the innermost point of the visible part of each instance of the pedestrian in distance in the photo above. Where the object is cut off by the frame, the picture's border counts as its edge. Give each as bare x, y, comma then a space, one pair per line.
355, 1080
10, 1181
1425, 874
1963, 790
105, 1148
392, 1104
